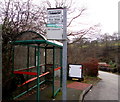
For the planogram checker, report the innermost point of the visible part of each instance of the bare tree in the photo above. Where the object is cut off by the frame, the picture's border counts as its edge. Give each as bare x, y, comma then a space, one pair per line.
18, 16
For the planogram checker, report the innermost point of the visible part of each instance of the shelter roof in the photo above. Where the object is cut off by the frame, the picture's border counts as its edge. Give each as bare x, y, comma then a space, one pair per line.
33, 38
27, 42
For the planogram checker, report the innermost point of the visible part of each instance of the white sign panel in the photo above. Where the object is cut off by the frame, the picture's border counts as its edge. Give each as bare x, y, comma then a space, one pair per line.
55, 24
55, 16
54, 19
75, 71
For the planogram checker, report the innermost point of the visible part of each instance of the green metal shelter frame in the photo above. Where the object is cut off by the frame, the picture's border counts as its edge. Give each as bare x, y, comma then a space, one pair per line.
37, 45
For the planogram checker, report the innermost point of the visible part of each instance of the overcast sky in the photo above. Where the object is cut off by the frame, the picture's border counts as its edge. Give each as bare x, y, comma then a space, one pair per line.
104, 12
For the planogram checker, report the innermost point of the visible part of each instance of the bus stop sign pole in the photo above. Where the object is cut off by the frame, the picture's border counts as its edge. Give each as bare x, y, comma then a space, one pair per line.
57, 30
64, 54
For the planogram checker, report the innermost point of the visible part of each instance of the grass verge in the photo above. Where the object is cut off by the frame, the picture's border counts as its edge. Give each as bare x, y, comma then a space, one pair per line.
91, 80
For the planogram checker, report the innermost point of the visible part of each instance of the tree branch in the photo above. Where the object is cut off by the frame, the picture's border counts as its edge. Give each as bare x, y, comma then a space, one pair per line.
76, 17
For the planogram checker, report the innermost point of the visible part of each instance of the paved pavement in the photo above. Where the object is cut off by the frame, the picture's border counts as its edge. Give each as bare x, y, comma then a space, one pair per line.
74, 92
106, 89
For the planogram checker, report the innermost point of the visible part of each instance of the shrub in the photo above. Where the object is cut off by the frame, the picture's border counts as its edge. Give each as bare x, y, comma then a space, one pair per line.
90, 67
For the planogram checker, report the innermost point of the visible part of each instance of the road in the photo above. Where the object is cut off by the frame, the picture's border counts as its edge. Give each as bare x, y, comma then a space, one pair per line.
106, 89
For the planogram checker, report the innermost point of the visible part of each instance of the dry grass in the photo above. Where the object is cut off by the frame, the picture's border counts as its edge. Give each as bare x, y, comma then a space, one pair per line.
91, 80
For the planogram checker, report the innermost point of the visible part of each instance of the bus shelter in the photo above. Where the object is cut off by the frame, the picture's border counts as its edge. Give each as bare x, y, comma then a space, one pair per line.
36, 61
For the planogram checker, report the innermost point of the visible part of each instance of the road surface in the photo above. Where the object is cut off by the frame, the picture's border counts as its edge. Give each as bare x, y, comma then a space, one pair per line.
106, 89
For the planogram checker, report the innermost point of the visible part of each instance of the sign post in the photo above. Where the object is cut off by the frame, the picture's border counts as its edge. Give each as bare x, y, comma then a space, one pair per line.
64, 63
57, 30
